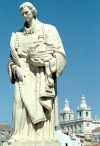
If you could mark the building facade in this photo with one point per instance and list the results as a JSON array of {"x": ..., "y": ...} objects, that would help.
[
  {"x": 66, "y": 140},
  {"x": 5, "y": 133},
  {"x": 83, "y": 124}
]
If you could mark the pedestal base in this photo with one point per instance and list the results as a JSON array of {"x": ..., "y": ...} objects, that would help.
[{"x": 34, "y": 143}]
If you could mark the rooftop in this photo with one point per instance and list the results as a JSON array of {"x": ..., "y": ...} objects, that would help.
[
  {"x": 96, "y": 129},
  {"x": 3, "y": 125}
]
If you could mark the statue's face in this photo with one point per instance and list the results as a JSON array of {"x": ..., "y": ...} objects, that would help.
[{"x": 27, "y": 14}]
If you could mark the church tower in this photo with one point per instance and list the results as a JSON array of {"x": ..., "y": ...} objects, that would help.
[
  {"x": 65, "y": 116},
  {"x": 83, "y": 112},
  {"x": 82, "y": 124},
  {"x": 84, "y": 120}
]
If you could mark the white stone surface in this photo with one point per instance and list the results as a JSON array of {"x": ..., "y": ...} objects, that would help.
[
  {"x": 65, "y": 139},
  {"x": 95, "y": 123},
  {"x": 37, "y": 58},
  {"x": 35, "y": 143}
]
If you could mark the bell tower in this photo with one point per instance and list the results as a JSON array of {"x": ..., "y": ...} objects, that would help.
[
  {"x": 65, "y": 116},
  {"x": 83, "y": 111},
  {"x": 84, "y": 120}
]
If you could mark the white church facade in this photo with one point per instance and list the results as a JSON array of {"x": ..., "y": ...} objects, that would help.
[{"x": 83, "y": 124}]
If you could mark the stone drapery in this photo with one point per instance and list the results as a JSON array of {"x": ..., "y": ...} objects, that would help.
[{"x": 35, "y": 110}]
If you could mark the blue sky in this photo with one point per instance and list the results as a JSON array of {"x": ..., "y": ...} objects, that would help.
[{"x": 78, "y": 23}]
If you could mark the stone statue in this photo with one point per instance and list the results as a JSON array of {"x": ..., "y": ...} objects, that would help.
[{"x": 37, "y": 58}]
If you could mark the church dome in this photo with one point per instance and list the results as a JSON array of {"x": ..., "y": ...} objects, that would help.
[
  {"x": 83, "y": 103},
  {"x": 66, "y": 108}
]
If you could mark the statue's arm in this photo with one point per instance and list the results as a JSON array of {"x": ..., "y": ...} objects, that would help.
[
  {"x": 59, "y": 54},
  {"x": 11, "y": 71},
  {"x": 58, "y": 62},
  {"x": 14, "y": 69}
]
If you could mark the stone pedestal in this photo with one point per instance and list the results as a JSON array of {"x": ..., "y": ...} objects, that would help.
[{"x": 34, "y": 143}]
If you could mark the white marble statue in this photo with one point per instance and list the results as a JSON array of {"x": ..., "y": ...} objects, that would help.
[{"x": 37, "y": 58}]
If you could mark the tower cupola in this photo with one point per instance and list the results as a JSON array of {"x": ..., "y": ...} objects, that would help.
[
  {"x": 66, "y": 108},
  {"x": 83, "y": 103}
]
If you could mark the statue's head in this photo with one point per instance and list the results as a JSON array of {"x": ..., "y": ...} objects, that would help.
[{"x": 28, "y": 11}]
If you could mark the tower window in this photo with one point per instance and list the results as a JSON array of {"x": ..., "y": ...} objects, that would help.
[
  {"x": 75, "y": 127},
  {"x": 86, "y": 114},
  {"x": 80, "y": 114},
  {"x": 63, "y": 117},
  {"x": 69, "y": 117},
  {"x": 80, "y": 127}
]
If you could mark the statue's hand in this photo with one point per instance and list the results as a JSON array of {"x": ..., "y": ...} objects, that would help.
[
  {"x": 37, "y": 62},
  {"x": 18, "y": 72}
]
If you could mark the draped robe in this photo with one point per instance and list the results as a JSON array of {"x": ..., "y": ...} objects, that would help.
[{"x": 37, "y": 116}]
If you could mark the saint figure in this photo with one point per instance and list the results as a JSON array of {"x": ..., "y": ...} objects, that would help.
[{"x": 37, "y": 57}]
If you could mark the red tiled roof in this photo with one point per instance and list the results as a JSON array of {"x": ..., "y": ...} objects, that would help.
[
  {"x": 96, "y": 129},
  {"x": 96, "y": 145},
  {"x": 3, "y": 125}
]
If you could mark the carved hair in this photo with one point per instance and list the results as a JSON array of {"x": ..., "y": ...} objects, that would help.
[{"x": 30, "y": 6}]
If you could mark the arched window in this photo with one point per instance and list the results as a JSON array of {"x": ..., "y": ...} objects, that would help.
[
  {"x": 69, "y": 117},
  {"x": 80, "y": 114},
  {"x": 75, "y": 127},
  {"x": 63, "y": 117},
  {"x": 79, "y": 127},
  {"x": 86, "y": 114}
]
